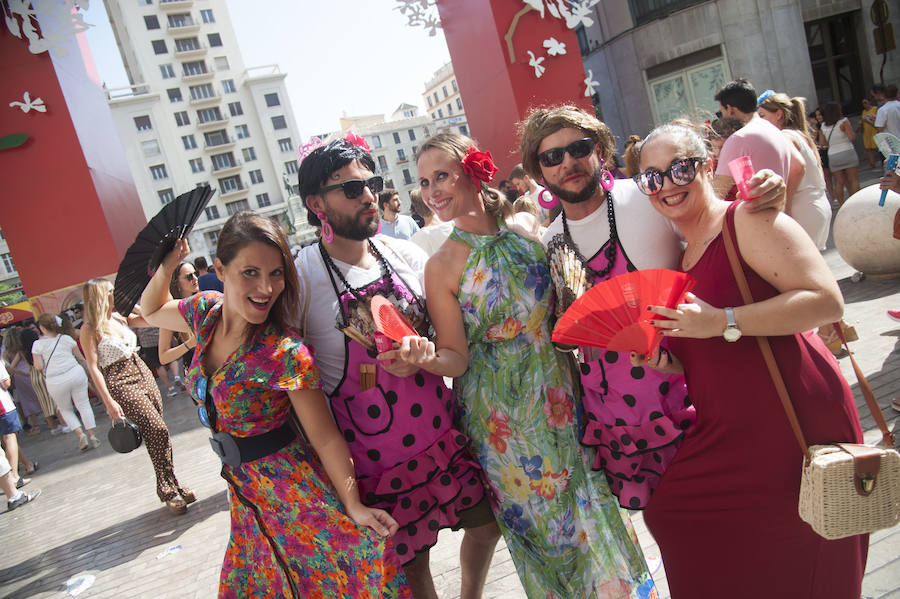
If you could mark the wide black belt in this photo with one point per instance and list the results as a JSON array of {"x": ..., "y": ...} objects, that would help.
[{"x": 235, "y": 451}]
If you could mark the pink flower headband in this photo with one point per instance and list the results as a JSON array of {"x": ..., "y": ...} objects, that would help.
[
  {"x": 314, "y": 142},
  {"x": 479, "y": 165}
]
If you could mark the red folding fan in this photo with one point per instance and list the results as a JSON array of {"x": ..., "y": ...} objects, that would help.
[
  {"x": 613, "y": 314},
  {"x": 389, "y": 320}
]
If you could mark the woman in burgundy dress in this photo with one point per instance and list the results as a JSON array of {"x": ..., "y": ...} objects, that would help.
[{"x": 725, "y": 512}]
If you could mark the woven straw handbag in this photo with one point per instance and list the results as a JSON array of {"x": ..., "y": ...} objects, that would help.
[{"x": 846, "y": 489}]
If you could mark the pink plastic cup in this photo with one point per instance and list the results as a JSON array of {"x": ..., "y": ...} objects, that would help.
[
  {"x": 383, "y": 343},
  {"x": 741, "y": 171}
]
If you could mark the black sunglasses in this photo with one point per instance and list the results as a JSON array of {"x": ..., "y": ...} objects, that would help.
[
  {"x": 353, "y": 188},
  {"x": 190, "y": 275},
  {"x": 681, "y": 172},
  {"x": 577, "y": 149}
]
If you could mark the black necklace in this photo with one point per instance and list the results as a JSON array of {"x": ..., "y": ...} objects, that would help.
[
  {"x": 382, "y": 263},
  {"x": 609, "y": 252}
]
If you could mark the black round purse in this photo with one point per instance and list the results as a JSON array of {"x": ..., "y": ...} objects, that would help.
[{"x": 124, "y": 436}]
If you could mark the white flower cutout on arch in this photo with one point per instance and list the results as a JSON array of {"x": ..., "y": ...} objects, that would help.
[
  {"x": 554, "y": 47},
  {"x": 590, "y": 84},
  {"x": 536, "y": 63},
  {"x": 37, "y": 104},
  {"x": 421, "y": 13},
  {"x": 60, "y": 22}
]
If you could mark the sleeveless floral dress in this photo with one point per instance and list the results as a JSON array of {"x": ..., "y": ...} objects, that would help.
[{"x": 567, "y": 536}]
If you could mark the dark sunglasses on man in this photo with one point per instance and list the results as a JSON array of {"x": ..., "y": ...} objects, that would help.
[
  {"x": 353, "y": 188},
  {"x": 680, "y": 172},
  {"x": 577, "y": 149}
]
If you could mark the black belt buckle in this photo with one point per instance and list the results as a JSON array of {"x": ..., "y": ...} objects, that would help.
[{"x": 226, "y": 448}]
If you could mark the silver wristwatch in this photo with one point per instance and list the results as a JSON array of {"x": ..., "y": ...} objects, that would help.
[{"x": 732, "y": 332}]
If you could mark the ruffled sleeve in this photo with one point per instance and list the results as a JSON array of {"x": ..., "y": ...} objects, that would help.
[
  {"x": 195, "y": 307},
  {"x": 295, "y": 367}
]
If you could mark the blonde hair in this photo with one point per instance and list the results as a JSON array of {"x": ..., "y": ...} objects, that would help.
[
  {"x": 524, "y": 204},
  {"x": 794, "y": 114},
  {"x": 541, "y": 122},
  {"x": 455, "y": 145},
  {"x": 96, "y": 305}
]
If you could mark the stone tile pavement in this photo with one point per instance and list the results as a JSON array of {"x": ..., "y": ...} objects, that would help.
[{"x": 99, "y": 515}]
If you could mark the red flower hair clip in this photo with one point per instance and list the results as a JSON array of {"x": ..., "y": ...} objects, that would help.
[{"x": 479, "y": 165}]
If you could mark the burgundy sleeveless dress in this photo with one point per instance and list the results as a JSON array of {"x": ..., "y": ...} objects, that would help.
[{"x": 725, "y": 512}]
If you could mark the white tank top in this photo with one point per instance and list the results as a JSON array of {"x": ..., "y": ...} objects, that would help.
[{"x": 113, "y": 348}]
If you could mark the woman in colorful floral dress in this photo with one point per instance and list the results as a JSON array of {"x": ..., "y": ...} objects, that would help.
[
  {"x": 488, "y": 288},
  {"x": 293, "y": 534}
]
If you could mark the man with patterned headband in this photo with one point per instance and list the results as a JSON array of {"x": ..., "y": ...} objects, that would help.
[
  {"x": 397, "y": 419},
  {"x": 634, "y": 416}
]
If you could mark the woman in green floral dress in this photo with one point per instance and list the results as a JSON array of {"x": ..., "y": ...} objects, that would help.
[{"x": 488, "y": 289}]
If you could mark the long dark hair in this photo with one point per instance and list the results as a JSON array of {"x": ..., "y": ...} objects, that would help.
[
  {"x": 245, "y": 228},
  {"x": 174, "y": 289}
]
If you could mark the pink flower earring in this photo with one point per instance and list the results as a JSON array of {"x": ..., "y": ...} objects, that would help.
[
  {"x": 542, "y": 199},
  {"x": 327, "y": 231},
  {"x": 606, "y": 179}
]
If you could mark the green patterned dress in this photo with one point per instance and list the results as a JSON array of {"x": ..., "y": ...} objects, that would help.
[{"x": 565, "y": 531}]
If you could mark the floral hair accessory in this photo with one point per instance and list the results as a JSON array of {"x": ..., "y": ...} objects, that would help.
[
  {"x": 307, "y": 148},
  {"x": 357, "y": 140},
  {"x": 479, "y": 165}
]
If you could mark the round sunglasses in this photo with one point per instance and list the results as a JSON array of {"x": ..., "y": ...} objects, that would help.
[
  {"x": 577, "y": 149},
  {"x": 353, "y": 188},
  {"x": 680, "y": 172}
]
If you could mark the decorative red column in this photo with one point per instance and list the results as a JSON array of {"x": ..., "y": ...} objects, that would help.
[
  {"x": 69, "y": 207},
  {"x": 489, "y": 43}
]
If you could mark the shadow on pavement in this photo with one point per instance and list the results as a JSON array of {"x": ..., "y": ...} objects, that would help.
[
  {"x": 868, "y": 289},
  {"x": 106, "y": 548}
]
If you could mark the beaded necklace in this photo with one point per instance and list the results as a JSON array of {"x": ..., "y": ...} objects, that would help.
[{"x": 609, "y": 252}]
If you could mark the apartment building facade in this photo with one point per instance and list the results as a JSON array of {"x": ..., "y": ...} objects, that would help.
[
  {"x": 195, "y": 114},
  {"x": 444, "y": 102}
]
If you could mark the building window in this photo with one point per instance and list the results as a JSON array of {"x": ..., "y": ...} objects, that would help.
[
  {"x": 229, "y": 184},
  {"x": 151, "y": 22},
  {"x": 181, "y": 20},
  {"x": 182, "y": 118},
  {"x": 241, "y": 131},
  {"x": 142, "y": 123},
  {"x": 174, "y": 94},
  {"x": 644, "y": 11},
  {"x": 685, "y": 89},
  {"x": 150, "y": 147},
  {"x": 262, "y": 200},
  {"x": 415, "y": 148},
  {"x": 290, "y": 167},
  {"x": 189, "y": 142},
  {"x": 272, "y": 99},
  {"x": 238, "y": 206},
  {"x": 221, "y": 63},
  {"x": 207, "y": 15},
  {"x": 249, "y": 154},
  {"x": 459, "y": 103},
  {"x": 195, "y": 67},
  {"x": 196, "y": 165},
  {"x": 278, "y": 122},
  {"x": 440, "y": 113},
  {"x": 201, "y": 92},
  {"x": 212, "y": 212},
  {"x": 429, "y": 101},
  {"x": 212, "y": 239},
  {"x": 433, "y": 116},
  {"x": 159, "y": 46},
  {"x": 167, "y": 71},
  {"x": 396, "y": 137},
  {"x": 223, "y": 161},
  {"x": 285, "y": 145},
  {"x": 166, "y": 195},
  {"x": 228, "y": 86},
  {"x": 436, "y": 101},
  {"x": 209, "y": 115},
  {"x": 449, "y": 109},
  {"x": 407, "y": 178},
  {"x": 453, "y": 83},
  {"x": 412, "y": 134},
  {"x": 8, "y": 263},
  {"x": 216, "y": 138},
  {"x": 256, "y": 176},
  {"x": 444, "y": 88},
  {"x": 215, "y": 40},
  {"x": 401, "y": 155},
  {"x": 158, "y": 172},
  {"x": 235, "y": 109},
  {"x": 382, "y": 163},
  {"x": 187, "y": 44},
  {"x": 464, "y": 130},
  {"x": 376, "y": 141}
]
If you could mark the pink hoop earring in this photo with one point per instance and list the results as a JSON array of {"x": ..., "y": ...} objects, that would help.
[
  {"x": 327, "y": 231},
  {"x": 606, "y": 179},
  {"x": 547, "y": 204}
]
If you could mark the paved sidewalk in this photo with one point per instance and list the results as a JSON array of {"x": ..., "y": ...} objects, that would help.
[{"x": 99, "y": 515}]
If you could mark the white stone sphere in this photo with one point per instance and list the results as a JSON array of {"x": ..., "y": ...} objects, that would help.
[{"x": 864, "y": 232}]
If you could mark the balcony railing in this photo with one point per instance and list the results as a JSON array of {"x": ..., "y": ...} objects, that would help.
[
  {"x": 168, "y": 5},
  {"x": 186, "y": 26},
  {"x": 232, "y": 192},
  {"x": 206, "y": 100},
  {"x": 219, "y": 145},
  {"x": 227, "y": 168},
  {"x": 192, "y": 52}
]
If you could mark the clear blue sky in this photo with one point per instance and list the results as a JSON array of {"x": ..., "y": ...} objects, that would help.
[{"x": 357, "y": 56}]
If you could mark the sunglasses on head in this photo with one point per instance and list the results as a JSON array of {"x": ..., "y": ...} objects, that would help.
[
  {"x": 681, "y": 172},
  {"x": 577, "y": 149},
  {"x": 353, "y": 188}
]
